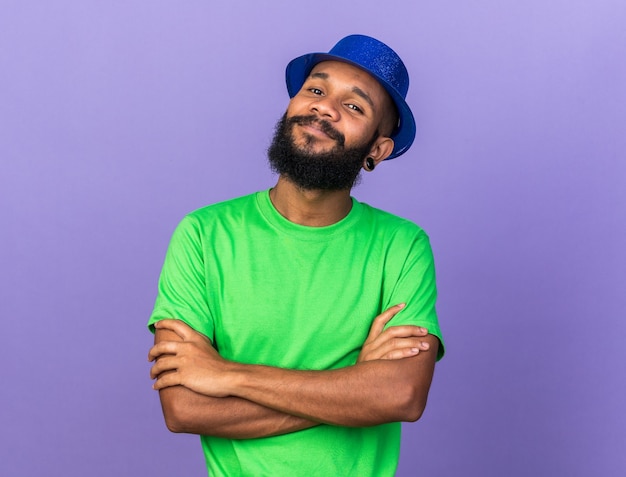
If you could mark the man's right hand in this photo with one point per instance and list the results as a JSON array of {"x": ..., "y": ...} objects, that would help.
[{"x": 396, "y": 342}]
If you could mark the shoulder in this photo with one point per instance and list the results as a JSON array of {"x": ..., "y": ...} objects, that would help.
[
  {"x": 227, "y": 213},
  {"x": 392, "y": 227},
  {"x": 236, "y": 206},
  {"x": 212, "y": 219}
]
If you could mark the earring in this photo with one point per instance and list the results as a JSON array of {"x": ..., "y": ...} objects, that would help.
[{"x": 369, "y": 164}]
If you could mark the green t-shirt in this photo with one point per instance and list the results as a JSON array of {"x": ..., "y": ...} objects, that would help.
[{"x": 268, "y": 291}]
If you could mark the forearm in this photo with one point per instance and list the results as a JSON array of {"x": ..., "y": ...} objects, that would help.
[
  {"x": 231, "y": 417},
  {"x": 365, "y": 394},
  {"x": 187, "y": 411},
  {"x": 369, "y": 393}
]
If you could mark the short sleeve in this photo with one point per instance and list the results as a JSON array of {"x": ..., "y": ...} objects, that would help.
[
  {"x": 182, "y": 290},
  {"x": 416, "y": 286}
]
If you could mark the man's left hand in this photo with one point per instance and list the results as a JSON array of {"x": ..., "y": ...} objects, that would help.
[{"x": 396, "y": 342}]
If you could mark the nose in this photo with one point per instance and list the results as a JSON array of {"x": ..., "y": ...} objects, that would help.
[{"x": 326, "y": 108}]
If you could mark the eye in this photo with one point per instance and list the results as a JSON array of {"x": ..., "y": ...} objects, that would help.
[
  {"x": 354, "y": 107},
  {"x": 316, "y": 91}
]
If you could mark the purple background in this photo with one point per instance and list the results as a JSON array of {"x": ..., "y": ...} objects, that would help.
[{"x": 117, "y": 118}]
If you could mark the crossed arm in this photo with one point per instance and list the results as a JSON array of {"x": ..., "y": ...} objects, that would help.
[{"x": 205, "y": 394}]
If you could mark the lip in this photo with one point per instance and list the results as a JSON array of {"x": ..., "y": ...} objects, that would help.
[{"x": 315, "y": 130}]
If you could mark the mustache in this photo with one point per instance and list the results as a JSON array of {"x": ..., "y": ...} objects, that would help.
[{"x": 324, "y": 126}]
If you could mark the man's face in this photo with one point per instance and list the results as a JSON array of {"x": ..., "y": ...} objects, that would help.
[
  {"x": 329, "y": 128},
  {"x": 347, "y": 98}
]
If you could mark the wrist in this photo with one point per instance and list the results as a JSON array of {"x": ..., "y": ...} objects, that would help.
[{"x": 235, "y": 378}]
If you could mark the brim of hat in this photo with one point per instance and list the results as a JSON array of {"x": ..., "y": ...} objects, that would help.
[{"x": 299, "y": 68}]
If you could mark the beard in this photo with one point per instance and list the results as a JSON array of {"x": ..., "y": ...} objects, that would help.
[{"x": 337, "y": 169}]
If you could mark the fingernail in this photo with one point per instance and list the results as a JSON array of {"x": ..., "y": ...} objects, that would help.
[
  {"x": 425, "y": 345},
  {"x": 401, "y": 305},
  {"x": 415, "y": 350},
  {"x": 423, "y": 330}
]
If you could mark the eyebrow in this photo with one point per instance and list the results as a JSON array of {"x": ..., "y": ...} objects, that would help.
[
  {"x": 355, "y": 89},
  {"x": 319, "y": 74},
  {"x": 359, "y": 92}
]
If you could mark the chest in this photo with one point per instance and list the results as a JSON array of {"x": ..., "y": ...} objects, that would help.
[{"x": 286, "y": 303}]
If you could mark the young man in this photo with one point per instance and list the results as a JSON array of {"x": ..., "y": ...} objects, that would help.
[{"x": 296, "y": 327}]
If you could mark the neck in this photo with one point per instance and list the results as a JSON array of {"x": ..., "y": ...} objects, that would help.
[{"x": 314, "y": 208}]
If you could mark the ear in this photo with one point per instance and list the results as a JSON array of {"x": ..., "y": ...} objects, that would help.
[{"x": 381, "y": 149}]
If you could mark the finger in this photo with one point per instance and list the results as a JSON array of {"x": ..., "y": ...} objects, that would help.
[
  {"x": 398, "y": 348},
  {"x": 182, "y": 330},
  {"x": 179, "y": 327},
  {"x": 166, "y": 380},
  {"x": 405, "y": 331},
  {"x": 381, "y": 320},
  {"x": 167, "y": 363},
  {"x": 394, "y": 332},
  {"x": 402, "y": 353},
  {"x": 163, "y": 347}
]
